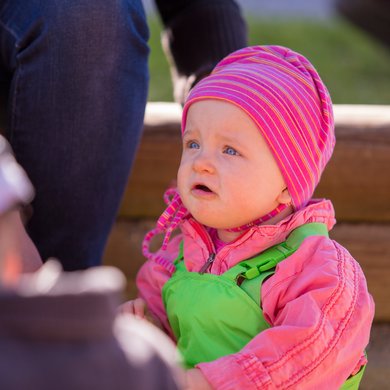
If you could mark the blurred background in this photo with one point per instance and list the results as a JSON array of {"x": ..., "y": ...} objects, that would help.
[{"x": 353, "y": 64}]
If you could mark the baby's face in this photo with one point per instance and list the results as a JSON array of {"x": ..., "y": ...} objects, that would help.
[{"x": 227, "y": 175}]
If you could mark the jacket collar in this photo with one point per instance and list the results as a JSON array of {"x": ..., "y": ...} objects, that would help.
[{"x": 198, "y": 245}]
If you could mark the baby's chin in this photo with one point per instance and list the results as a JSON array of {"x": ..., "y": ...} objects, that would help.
[
  {"x": 213, "y": 218},
  {"x": 218, "y": 223}
]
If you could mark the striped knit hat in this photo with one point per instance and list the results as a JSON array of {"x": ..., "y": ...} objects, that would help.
[
  {"x": 283, "y": 94},
  {"x": 285, "y": 97}
]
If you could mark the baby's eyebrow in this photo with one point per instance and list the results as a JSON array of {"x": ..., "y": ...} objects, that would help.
[
  {"x": 189, "y": 132},
  {"x": 231, "y": 139}
]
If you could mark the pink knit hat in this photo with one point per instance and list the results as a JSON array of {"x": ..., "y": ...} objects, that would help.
[{"x": 283, "y": 94}]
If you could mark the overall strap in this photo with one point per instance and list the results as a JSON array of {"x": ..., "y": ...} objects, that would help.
[
  {"x": 263, "y": 265},
  {"x": 180, "y": 255}
]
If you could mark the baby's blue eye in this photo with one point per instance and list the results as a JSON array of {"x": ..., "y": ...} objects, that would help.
[
  {"x": 232, "y": 152},
  {"x": 192, "y": 145}
]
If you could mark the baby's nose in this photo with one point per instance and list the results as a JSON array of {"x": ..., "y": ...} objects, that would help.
[{"x": 204, "y": 163}]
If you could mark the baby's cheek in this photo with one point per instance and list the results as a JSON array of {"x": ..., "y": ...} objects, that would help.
[
  {"x": 180, "y": 178},
  {"x": 180, "y": 186}
]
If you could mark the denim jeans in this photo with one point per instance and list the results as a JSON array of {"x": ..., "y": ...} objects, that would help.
[{"x": 75, "y": 77}]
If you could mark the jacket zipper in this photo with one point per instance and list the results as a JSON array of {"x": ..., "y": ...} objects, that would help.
[
  {"x": 207, "y": 264},
  {"x": 209, "y": 244}
]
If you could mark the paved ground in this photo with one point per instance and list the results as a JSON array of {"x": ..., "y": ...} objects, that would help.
[{"x": 315, "y": 9}]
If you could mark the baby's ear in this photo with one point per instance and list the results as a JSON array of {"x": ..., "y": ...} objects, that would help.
[{"x": 284, "y": 197}]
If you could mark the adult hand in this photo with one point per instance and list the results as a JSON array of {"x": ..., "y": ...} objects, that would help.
[{"x": 136, "y": 307}]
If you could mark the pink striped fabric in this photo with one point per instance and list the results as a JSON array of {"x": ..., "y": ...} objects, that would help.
[
  {"x": 167, "y": 223},
  {"x": 285, "y": 97},
  {"x": 283, "y": 94}
]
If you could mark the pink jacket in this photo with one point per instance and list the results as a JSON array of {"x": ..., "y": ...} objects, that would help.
[{"x": 316, "y": 302}]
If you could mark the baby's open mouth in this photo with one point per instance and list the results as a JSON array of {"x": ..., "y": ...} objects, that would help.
[{"x": 202, "y": 188}]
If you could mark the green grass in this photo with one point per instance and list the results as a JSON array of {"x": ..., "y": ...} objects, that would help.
[{"x": 355, "y": 68}]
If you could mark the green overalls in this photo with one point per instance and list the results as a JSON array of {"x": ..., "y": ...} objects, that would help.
[{"x": 217, "y": 315}]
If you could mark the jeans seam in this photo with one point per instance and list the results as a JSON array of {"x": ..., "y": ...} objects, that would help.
[
  {"x": 12, "y": 123},
  {"x": 9, "y": 30},
  {"x": 13, "y": 116}
]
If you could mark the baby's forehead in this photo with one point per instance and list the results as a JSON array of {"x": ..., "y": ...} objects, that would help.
[{"x": 233, "y": 134}]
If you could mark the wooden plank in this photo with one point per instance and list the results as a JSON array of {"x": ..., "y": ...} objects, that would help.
[
  {"x": 368, "y": 243},
  {"x": 155, "y": 167},
  {"x": 123, "y": 249},
  {"x": 357, "y": 178}
]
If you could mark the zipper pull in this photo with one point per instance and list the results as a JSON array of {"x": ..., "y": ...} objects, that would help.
[{"x": 207, "y": 264}]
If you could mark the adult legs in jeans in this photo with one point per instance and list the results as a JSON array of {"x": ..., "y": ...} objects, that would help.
[{"x": 76, "y": 77}]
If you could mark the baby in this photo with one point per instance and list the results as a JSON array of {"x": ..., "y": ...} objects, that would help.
[{"x": 253, "y": 291}]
